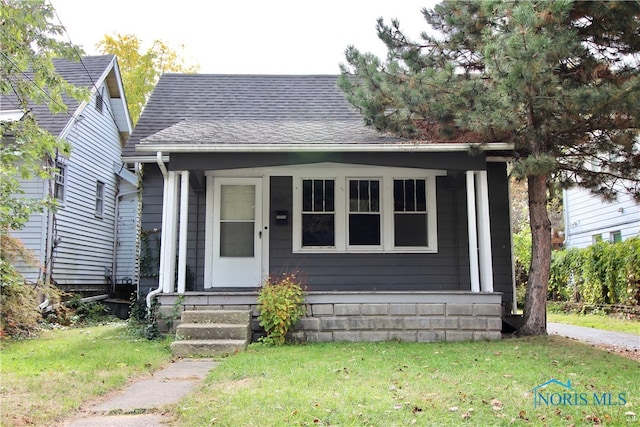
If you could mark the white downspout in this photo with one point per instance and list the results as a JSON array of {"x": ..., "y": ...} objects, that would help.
[{"x": 165, "y": 175}]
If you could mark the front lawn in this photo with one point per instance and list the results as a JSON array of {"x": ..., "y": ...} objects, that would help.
[
  {"x": 392, "y": 383},
  {"x": 43, "y": 380}
]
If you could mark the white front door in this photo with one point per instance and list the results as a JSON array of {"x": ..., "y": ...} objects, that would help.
[{"x": 237, "y": 232}]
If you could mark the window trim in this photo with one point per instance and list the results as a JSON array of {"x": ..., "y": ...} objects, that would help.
[{"x": 386, "y": 175}]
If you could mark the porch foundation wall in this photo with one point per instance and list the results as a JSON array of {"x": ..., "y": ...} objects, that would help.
[{"x": 430, "y": 317}]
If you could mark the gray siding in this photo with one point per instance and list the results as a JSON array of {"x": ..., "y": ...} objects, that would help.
[
  {"x": 446, "y": 270},
  {"x": 86, "y": 245},
  {"x": 587, "y": 215},
  {"x": 33, "y": 234},
  {"x": 127, "y": 238}
]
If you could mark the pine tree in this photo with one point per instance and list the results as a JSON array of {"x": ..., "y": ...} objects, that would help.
[{"x": 559, "y": 79}]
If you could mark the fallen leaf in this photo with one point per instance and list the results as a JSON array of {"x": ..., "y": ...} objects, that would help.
[
  {"x": 453, "y": 409},
  {"x": 416, "y": 409},
  {"x": 397, "y": 407},
  {"x": 466, "y": 415}
]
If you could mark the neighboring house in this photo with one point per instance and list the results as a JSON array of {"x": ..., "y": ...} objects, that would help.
[
  {"x": 249, "y": 176},
  {"x": 90, "y": 241},
  {"x": 589, "y": 219}
]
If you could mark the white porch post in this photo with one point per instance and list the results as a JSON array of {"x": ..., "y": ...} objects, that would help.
[
  {"x": 484, "y": 234},
  {"x": 208, "y": 238},
  {"x": 168, "y": 244},
  {"x": 473, "y": 232},
  {"x": 184, "y": 221}
]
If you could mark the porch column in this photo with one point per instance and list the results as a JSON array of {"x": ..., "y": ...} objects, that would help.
[
  {"x": 473, "y": 232},
  {"x": 184, "y": 221},
  {"x": 480, "y": 258},
  {"x": 484, "y": 234},
  {"x": 168, "y": 236}
]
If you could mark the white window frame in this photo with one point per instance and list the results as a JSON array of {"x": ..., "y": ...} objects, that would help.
[
  {"x": 342, "y": 174},
  {"x": 100, "y": 198}
]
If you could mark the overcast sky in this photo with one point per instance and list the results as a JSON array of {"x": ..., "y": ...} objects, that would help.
[{"x": 248, "y": 37}]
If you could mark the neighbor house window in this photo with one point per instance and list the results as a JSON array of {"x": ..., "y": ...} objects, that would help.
[
  {"x": 410, "y": 225},
  {"x": 596, "y": 238},
  {"x": 99, "y": 199},
  {"x": 318, "y": 212},
  {"x": 364, "y": 212},
  {"x": 60, "y": 180},
  {"x": 615, "y": 237}
]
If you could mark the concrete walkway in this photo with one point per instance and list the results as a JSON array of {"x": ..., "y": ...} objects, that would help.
[
  {"x": 165, "y": 387},
  {"x": 620, "y": 340}
]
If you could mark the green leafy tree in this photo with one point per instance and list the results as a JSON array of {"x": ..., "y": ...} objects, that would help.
[
  {"x": 559, "y": 79},
  {"x": 141, "y": 69},
  {"x": 29, "y": 40}
]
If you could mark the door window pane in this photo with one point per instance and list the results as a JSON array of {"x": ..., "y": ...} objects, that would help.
[
  {"x": 236, "y": 239},
  {"x": 237, "y": 202}
]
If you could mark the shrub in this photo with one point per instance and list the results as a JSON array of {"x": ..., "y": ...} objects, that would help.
[
  {"x": 281, "y": 304},
  {"x": 603, "y": 273}
]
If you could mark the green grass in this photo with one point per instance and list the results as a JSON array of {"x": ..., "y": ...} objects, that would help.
[
  {"x": 596, "y": 321},
  {"x": 392, "y": 384},
  {"x": 44, "y": 379}
]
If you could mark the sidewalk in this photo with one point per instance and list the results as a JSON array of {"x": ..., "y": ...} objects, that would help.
[
  {"x": 618, "y": 340},
  {"x": 166, "y": 387}
]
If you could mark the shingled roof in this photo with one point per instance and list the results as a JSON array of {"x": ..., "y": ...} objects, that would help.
[
  {"x": 85, "y": 74},
  {"x": 206, "y": 109},
  {"x": 214, "y": 113}
]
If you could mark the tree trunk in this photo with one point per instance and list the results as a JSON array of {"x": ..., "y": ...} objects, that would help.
[{"x": 535, "y": 304}]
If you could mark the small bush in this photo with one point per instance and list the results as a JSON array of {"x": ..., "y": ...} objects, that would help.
[{"x": 281, "y": 304}]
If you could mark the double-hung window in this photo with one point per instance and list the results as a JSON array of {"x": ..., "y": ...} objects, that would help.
[
  {"x": 60, "y": 180},
  {"x": 99, "y": 199},
  {"x": 365, "y": 209},
  {"x": 364, "y": 212},
  {"x": 318, "y": 213},
  {"x": 410, "y": 221}
]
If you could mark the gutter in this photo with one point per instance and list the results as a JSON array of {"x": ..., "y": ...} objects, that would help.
[
  {"x": 165, "y": 175},
  {"x": 319, "y": 147}
]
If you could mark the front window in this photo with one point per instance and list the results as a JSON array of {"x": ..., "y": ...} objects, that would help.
[
  {"x": 349, "y": 209},
  {"x": 318, "y": 212},
  {"x": 410, "y": 212},
  {"x": 364, "y": 212}
]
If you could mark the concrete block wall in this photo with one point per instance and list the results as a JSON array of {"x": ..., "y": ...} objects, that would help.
[
  {"x": 432, "y": 318},
  {"x": 421, "y": 322}
]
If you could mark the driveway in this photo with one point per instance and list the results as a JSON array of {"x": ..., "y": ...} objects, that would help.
[{"x": 618, "y": 342}]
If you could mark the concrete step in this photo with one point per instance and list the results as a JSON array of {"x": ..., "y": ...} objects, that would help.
[
  {"x": 207, "y": 348},
  {"x": 213, "y": 331},
  {"x": 216, "y": 316}
]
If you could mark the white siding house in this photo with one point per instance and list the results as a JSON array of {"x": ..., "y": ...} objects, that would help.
[
  {"x": 589, "y": 219},
  {"x": 78, "y": 244}
]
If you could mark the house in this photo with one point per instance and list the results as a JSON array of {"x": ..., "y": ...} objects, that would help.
[
  {"x": 89, "y": 243},
  {"x": 250, "y": 176},
  {"x": 589, "y": 219}
]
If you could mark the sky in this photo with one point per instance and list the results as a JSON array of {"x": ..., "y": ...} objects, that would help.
[{"x": 245, "y": 36}]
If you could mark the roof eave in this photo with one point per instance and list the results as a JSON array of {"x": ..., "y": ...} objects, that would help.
[{"x": 322, "y": 147}]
